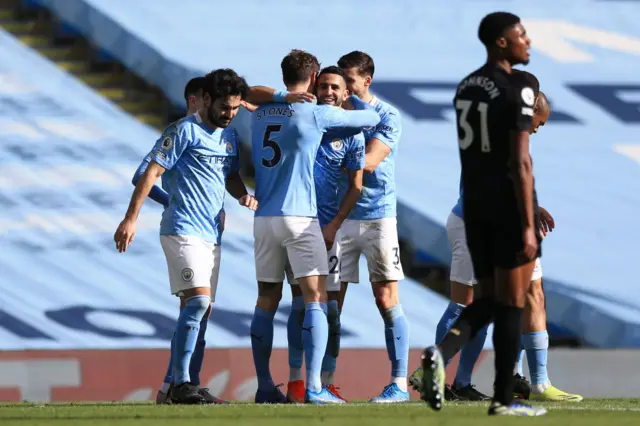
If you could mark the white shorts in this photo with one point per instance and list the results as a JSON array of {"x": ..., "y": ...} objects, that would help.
[
  {"x": 333, "y": 277},
  {"x": 377, "y": 239},
  {"x": 282, "y": 239},
  {"x": 461, "y": 265},
  {"x": 192, "y": 262}
]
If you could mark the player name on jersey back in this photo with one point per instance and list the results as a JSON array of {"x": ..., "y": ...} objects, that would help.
[
  {"x": 490, "y": 104},
  {"x": 285, "y": 140}
]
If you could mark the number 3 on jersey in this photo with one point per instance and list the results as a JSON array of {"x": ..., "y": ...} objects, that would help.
[
  {"x": 483, "y": 109},
  {"x": 267, "y": 142}
]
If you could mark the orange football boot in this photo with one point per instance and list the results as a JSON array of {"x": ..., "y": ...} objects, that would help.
[{"x": 334, "y": 391}]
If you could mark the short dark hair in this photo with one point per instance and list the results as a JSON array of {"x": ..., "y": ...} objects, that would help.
[
  {"x": 225, "y": 82},
  {"x": 333, "y": 70},
  {"x": 298, "y": 66},
  {"x": 359, "y": 60},
  {"x": 493, "y": 25},
  {"x": 531, "y": 80},
  {"x": 192, "y": 88}
]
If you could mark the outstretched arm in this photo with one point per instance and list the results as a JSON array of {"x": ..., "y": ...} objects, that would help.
[{"x": 333, "y": 118}]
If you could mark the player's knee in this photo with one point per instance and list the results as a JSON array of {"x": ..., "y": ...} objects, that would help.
[
  {"x": 333, "y": 295},
  {"x": 315, "y": 295},
  {"x": 200, "y": 303},
  {"x": 296, "y": 291},
  {"x": 269, "y": 295},
  {"x": 386, "y": 295},
  {"x": 535, "y": 296},
  {"x": 461, "y": 294},
  {"x": 268, "y": 303}
]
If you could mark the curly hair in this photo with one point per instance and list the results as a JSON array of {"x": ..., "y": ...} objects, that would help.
[{"x": 225, "y": 82}]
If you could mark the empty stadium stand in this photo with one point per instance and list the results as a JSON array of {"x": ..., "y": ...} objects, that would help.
[
  {"x": 587, "y": 158},
  {"x": 68, "y": 155}
]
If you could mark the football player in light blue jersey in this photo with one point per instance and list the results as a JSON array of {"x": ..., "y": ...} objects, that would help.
[
  {"x": 285, "y": 141},
  {"x": 374, "y": 219},
  {"x": 194, "y": 102},
  {"x": 197, "y": 158},
  {"x": 193, "y": 99},
  {"x": 340, "y": 157}
]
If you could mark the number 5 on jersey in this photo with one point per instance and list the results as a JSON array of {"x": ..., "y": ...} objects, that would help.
[
  {"x": 466, "y": 127},
  {"x": 267, "y": 142}
]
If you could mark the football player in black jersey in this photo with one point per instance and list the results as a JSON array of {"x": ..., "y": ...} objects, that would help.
[{"x": 494, "y": 109}]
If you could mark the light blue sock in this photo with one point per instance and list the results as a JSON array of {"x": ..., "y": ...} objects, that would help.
[
  {"x": 449, "y": 318},
  {"x": 168, "y": 377},
  {"x": 198, "y": 354},
  {"x": 261, "y": 345},
  {"x": 186, "y": 336},
  {"x": 315, "y": 333},
  {"x": 333, "y": 344},
  {"x": 396, "y": 332},
  {"x": 468, "y": 358},
  {"x": 537, "y": 346},
  {"x": 518, "y": 367},
  {"x": 294, "y": 332}
]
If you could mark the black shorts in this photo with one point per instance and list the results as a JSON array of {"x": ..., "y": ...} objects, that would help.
[{"x": 496, "y": 242}]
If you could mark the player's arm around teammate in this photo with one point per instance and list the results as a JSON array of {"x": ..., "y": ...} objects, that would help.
[{"x": 259, "y": 95}]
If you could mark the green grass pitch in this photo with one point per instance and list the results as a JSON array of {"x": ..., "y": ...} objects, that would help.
[{"x": 608, "y": 412}]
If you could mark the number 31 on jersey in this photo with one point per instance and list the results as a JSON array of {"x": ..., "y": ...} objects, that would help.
[{"x": 464, "y": 107}]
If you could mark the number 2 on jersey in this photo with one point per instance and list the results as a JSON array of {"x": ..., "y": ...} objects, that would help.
[
  {"x": 267, "y": 142},
  {"x": 483, "y": 108}
]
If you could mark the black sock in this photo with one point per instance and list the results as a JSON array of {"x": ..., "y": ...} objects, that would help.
[
  {"x": 506, "y": 342},
  {"x": 472, "y": 319}
]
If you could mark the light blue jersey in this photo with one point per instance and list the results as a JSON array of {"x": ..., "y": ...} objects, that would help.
[
  {"x": 285, "y": 140},
  {"x": 378, "y": 198},
  {"x": 198, "y": 160},
  {"x": 336, "y": 153}
]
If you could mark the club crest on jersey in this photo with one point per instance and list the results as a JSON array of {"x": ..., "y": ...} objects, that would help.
[
  {"x": 167, "y": 143},
  {"x": 187, "y": 274},
  {"x": 527, "y": 96},
  {"x": 337, "y": 144},
  {"x": 229, "y": 148}
]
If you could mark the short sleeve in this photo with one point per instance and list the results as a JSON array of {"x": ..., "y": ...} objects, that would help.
[
  {"x": 520, "y": 107},
  {"x": 170, "y": 147},
  {"x": 389, "y": 129},
  {"x": 354, "y": 158},
  {"x": 142, "y": 167}
]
